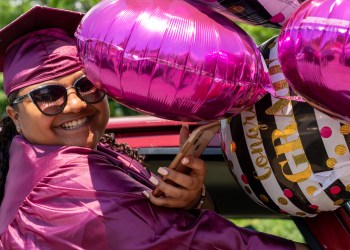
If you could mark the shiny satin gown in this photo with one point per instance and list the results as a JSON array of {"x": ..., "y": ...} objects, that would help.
[{"x": 63, "y": 197}]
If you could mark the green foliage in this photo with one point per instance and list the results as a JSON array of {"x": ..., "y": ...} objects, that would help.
[
  {"x": 118, "y": 109},
  {"x": 9, "y": 10},
  {"x": 259, "y": 34},
  {"x": 284, "y": 228}
]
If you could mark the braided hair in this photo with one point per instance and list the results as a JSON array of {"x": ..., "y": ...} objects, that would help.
[
  {"x": 8, "y": 131},
  {"x": 109, "y": 141}
]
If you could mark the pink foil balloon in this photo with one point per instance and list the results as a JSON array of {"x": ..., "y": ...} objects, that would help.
[
  {"x": 171, "y": 59},
  {"x": 314, "y": 52},
  {"x": 268, "y": 13}
]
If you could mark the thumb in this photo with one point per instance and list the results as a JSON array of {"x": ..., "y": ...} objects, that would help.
[{"x": 184, "y": 134}]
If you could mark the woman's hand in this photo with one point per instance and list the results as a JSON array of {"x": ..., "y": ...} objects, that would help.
[{"x": 186, "y": 190}]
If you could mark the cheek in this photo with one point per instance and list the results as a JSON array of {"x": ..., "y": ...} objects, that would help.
[
  {"x": 35, "y": 128},
  {"x": 104, "y": 114},
  {"x": 106, "y": 108},
  {"x": 30, "y": 117}
]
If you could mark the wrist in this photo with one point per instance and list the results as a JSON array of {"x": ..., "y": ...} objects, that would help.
[{"x": 202, "y": 198}]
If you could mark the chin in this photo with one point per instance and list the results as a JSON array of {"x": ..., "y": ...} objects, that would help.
[{"x": 89, "y": 142}]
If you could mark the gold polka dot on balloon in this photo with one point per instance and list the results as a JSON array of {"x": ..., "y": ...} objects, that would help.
[
  {"x": 339, "y": 202},
  {"x": 331, "y": 162},
  {"x": 233, "y": 146},
  {"x": 311, "y": 189},
  {"x": 282, "y": 201},
  {"x": 347, "y": 188},
  {"x": 345, "y": 129},
  {"x": 300, "y": 213},
  {"x": 264, "y": 198},
  {"x": 236, "y": 9},
  {"x": 340, "y": 149},
  {"x": 275, "y": 69}
]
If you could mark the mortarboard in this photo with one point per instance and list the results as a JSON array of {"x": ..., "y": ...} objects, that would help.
[{"x": 38, "y": 46}]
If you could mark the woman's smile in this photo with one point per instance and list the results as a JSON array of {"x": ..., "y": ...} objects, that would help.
[{"x": 75, "y": 123}]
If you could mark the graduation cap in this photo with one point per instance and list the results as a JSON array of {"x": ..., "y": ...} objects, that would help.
[{"x": 38, "y": 46}]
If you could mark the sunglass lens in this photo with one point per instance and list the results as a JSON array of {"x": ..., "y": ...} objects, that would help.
[
  {"x": 50, "y": 99},
  {"x": 88, "y": 92}
]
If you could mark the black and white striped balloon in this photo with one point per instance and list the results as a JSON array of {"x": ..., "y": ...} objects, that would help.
[{"x": 286, "y": 155}]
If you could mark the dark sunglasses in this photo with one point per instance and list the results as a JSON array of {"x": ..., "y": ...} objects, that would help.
[{"x": 52, "y": 99}]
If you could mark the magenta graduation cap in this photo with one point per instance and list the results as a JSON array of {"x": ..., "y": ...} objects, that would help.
[{"x": 38, "y": 46}]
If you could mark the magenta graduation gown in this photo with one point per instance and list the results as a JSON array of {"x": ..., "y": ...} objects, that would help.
[{"x": 63, "y": 197}]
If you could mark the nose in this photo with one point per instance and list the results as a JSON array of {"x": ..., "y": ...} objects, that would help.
[{"x": 74, "y": 103}]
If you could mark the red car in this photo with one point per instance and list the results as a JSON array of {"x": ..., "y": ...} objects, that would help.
[{"x": 158, "y": 140}]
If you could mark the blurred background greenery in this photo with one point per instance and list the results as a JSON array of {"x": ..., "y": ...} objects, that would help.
[
  {"x": 11, "y": 9},
  {"x": 284, "y": 228}
]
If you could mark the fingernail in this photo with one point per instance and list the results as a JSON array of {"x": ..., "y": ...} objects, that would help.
[
  {"x": 185, "y": 160},
  {"x": 145, "y": 193},
  {"x": 162, "y": 171},
  {"x": 185, "y": 125},
  {"x": 154, "y": 180}
]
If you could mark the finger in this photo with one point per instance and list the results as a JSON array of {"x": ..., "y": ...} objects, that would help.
[
  {"x": 165, "y": 201},
  {"x": 184, "y": 134},
  {"x": 161, "y": 187},
  {"x": 168, "y": 189},
  {"x": 180, "y": 179},
  {"x": 192, "y": 181},
  {"x": 197, "y": 165}
]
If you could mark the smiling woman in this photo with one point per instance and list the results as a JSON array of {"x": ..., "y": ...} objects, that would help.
[
  {"x": 43, "y": 103},
  {"x": 51, "y": 101},
  {"x": 66, "y": 185}
]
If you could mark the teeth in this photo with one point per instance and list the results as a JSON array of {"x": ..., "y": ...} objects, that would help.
[{"x": 74, "y": 124}]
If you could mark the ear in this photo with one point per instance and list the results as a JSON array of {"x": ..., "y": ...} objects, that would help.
[{"x": 13, "y": 114}]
